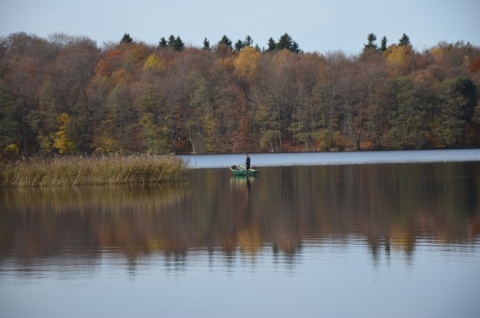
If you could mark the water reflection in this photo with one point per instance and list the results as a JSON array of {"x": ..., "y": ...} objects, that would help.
[{"x": 389, "y": 208}]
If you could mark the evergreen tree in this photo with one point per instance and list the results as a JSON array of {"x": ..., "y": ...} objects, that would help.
[
  {"x": 271, "y": 45},
  {"x": 383, "y": 45},
  {"x": 405, "y": 40},
  {"x": 171, "y": 41},
  {"x": 248, "y": 41},
  {"x": 295, "y": 48},
  {"x": 206, "y": 44},
  {"x": 126, "y": 39},
  {"x": 239, "y": 45},
  {"x": 371, "y": 38},
  {"x": 178, "y": 44},
  {"x": 163, "y": 43},
  {"x": 225, "y": 41},
  {"x": 286, "y": 42}
]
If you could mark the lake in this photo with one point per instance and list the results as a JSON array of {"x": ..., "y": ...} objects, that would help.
[{"x": 370, "y": 234}]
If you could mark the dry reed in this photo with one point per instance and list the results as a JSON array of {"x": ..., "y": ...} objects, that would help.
[{"x": 72, "y": 171}]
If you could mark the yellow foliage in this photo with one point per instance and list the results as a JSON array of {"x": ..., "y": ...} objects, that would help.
[
  {"x": 397, "y": 54},
  {"x": 437, "y": 54},
  {"x": 107, "y": 145},
  {"x": 63, "y": 119},
  {"x": 246, "y": 64},
  {"x": 11, "y": 149},
  {"x": 250, "y": 240},
  {"x": 154, "y": 62},
  {"x": 61, "y": 140},
  {"x": 402, "y": 239}
]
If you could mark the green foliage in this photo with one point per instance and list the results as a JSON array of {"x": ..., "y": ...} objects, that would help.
[
  {"x": 138, "y": 98},
  {"x": 176, "y": 43},
  {"x": 371, "y": 38},
  {"x": 248, "y": 41},
  {"x": 457, "y": 97},
  {"x": 239, "y": 45},
  {"x": 9, "y": 119},
  {"x": 126, "y": 39},
  {"x": 404, "y": 40},
  {"x": 383, "y": 45},
  {"x": 286, "y": 42},
  {"x": 163, "y": 43},
  {"x": 408, "y": 123},
  {"x": 173, "y": 42},
  {"x": 225, "y": 41},
  {"x": 271, "y": 45},
  {"x": 206, "y": 44},
  {"x": 154, "y": 136}
]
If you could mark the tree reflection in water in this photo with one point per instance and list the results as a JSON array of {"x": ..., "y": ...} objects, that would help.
[{"x": 389, "y": 207}]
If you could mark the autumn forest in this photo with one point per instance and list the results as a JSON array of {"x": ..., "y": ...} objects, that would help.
[{"x": 66, "y": 95}]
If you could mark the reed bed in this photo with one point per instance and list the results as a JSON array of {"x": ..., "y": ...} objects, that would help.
[{"x": 79, "y": 170}]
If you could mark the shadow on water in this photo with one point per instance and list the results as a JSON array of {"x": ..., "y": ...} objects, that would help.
[{"x": 385, "y": 207}]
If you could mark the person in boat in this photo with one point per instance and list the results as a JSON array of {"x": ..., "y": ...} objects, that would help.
[{"x": 247, "y": 162}]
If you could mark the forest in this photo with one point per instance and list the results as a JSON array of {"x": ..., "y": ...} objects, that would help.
[{"x": 66, "y": 95}]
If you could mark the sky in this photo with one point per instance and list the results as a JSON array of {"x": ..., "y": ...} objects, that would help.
[{"x": 316, "y": 25}]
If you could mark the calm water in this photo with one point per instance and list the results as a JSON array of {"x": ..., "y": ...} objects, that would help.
[{"x": 317, "y": 240}]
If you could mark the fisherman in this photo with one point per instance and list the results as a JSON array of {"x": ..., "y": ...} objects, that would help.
[{"x": 247, "y": 162}]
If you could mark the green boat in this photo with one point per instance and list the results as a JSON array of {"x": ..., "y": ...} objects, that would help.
[{"x": 241, "y": 170}]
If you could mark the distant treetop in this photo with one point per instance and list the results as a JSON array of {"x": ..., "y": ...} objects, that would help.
[
  {"x": 126, "y": 38},
  {"x": 173, "y": 42},
  {"x": 404, "y": 40},
  {"x": 285, "y": 42}
]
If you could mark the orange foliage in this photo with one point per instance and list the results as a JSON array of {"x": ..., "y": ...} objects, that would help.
[
  {"x": 475, "y": 66},
  {"x": 121, "y": 76},
  {"x": 107, "y": 65}
]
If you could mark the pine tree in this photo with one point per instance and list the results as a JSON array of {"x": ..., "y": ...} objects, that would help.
[
  {"x": 271, "y": 45},
  {"x": 248, "y": 41},
  {"x": 383, "y": 45},
  {"x": 178, "y": 44},
  {"x": 206, "y": 44},
  {"x": 126, "y": 39},
  {"x": 225, "y": 41},
  {"x": 163, "y": 43},
  {"x": 171, "y": 41},
  {"x": 405, "y": 40},
  {"x": 239, "y": 45},
  {"x": 295, "y": 48},
  {"x": 371, "y": 38},
  {"x": 286, "y": 42}
]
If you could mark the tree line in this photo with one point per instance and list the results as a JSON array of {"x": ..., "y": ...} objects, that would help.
[{"x": 66, "y": 95}]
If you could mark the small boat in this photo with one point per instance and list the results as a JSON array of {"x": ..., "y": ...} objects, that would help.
[{"x": 241, "y": 170}]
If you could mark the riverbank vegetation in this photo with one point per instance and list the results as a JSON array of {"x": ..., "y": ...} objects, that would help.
[
  {"x": 96, "y": 170},
  {"x": 65, "y": 95}
]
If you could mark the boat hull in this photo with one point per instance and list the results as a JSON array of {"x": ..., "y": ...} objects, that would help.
[{"x": 240, "y": 170}]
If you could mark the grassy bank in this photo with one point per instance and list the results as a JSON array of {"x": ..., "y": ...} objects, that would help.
[{"x": 72, "y": 171}]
